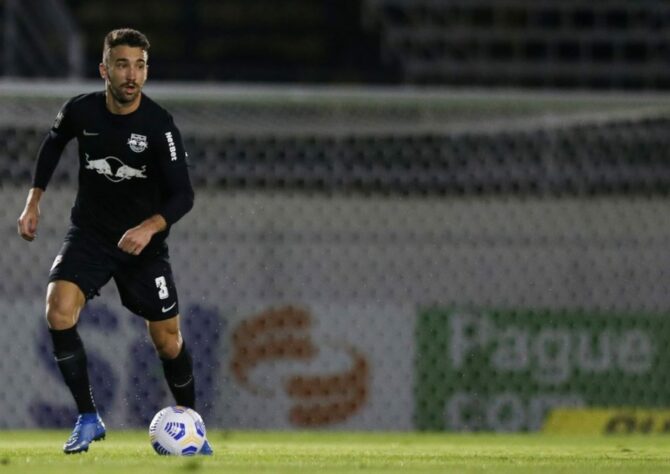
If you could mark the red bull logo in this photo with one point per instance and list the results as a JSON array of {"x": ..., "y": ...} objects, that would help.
[
  {"x": 114, "y": 169},
  {"x": 283, "y": 334},
  {"x": 138, "y": 143}
]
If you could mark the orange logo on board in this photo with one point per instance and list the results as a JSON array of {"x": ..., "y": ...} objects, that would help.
[{"x": 283, "y": 334}]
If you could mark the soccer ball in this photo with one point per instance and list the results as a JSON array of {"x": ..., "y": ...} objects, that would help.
[{"x": 177, "y": 430}]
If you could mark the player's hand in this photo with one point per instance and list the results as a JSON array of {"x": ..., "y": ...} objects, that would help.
[
  {"x": 27, "y": 223},
  {"x": 135, "y": 239}
]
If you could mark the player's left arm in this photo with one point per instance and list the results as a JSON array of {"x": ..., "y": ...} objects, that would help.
[{"x": 177, "y": 183}]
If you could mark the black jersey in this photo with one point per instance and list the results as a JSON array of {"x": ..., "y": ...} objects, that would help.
[{"x": 130, "y": 166}]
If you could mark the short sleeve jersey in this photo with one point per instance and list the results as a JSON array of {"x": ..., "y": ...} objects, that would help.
[{"x": 130, "y": 165}]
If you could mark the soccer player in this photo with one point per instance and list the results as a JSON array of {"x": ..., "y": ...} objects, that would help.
[{"x": 133, "y": 186}]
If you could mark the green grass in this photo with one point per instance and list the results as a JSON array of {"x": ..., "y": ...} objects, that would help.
[{"x": 129, "y": 452}]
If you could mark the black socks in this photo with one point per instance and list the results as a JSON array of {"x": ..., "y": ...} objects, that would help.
[
  {"x": 179, "y": 375},
  {"x": 71, "y": 359}
]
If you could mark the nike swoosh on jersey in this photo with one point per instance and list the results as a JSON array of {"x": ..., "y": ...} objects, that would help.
[
  {"x": 165, "y": 310},
  {"x": 90, "y": 134}
]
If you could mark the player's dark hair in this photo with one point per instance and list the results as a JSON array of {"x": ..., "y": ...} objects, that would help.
[{"x": 126, "y": 37}]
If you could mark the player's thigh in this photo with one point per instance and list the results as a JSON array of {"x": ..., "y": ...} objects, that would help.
[
  {"x": 65, "y": 301},
  {"x": 147, "y": 288},
  {"x": 83, "y": 261}
]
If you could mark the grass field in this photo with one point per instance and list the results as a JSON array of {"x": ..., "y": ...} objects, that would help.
[{"x": 129, "y": 452}]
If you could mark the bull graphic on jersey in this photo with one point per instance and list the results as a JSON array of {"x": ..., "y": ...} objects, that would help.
[{"x": 114, "y": 169}]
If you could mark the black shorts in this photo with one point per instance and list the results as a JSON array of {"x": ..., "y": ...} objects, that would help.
[{"x": 144, "y": 281}]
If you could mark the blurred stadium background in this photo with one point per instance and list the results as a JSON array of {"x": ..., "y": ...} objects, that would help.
[{"x": 411, "y": 214}]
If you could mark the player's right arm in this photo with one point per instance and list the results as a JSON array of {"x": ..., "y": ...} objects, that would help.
[
  {"x": 30, "y": 215},
  {"x": 47, "y": 158}
]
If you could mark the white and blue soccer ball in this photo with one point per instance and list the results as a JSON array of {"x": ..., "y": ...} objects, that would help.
[{"x": 177, "y": 430}]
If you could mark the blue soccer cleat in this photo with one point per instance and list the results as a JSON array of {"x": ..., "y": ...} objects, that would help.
[
  {"x": 206, "y": 449},
  {"x": 89, "y": 428}
]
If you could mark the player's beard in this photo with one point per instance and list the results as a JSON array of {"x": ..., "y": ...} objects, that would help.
[{"x": 122, "y": 96}]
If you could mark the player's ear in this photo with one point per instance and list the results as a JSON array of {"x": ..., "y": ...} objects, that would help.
[{"x": 103, "y": 70}]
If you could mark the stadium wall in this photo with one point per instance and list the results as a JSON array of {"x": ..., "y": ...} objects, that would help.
[{"x": 367, "y": 312}]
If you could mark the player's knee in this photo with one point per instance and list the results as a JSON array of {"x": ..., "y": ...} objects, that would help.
[
  {"x": 64, "y": 303},
  {"x": 61, "y": 313},
  {"x": 168, "y": 346}
]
